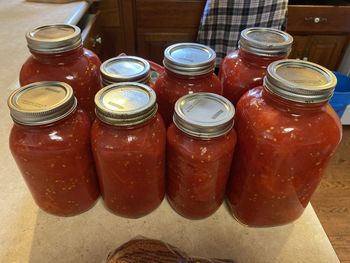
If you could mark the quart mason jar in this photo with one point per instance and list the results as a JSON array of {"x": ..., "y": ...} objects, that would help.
[
  {"x": 245, "y": 68},
  {"x": 189, "y": 68},
  {"x": 128, "y": 142},
  {"x": 200, "y": 146},
  {"x": 50, "y": 142},
  {"x": 58, "y": 55},
  {"x": 287, "y": 133}
]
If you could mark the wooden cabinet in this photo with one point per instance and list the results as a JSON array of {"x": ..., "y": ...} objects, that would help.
[
  {"x": 162, "y": 23},
  {"x": 151, "y": 43},
  {"x": 146, "y": 27},
  {"x": 321, "y": 34},
  {"x": 325, "y": 50}
]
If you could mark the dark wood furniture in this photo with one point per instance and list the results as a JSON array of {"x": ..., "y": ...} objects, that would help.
[
  {"x": 321, "y": 33},
  {"x": 146, "y": 27}
]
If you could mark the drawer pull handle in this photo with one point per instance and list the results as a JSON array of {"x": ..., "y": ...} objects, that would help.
[
  {"x": 96, "y": 41},
  {"x": 316, "y": 20}
]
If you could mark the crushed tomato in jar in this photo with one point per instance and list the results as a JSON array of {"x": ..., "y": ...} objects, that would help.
[
  {"x": 50, "y": 142},
  {"x": 287, "y": 133},
  {"x": 189, "y": 68},
  {"x": 245, "y": 68},
  {"x": 57, "y": 54},
  {"x": 128, "y": 141},
  {"x": 200, "y": 146}
]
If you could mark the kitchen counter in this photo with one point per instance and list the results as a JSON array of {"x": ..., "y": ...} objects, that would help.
[{"x": 29, "y": 235}]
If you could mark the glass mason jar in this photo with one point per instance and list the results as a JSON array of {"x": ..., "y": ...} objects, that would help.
[
  {"x": 58, "y": 55},
  {"x": 245, "y": 68},
  {"x": 128, "y": 142},
  {"x": 189, "y": 68},
  {"x": 50, "y": 142},
  {"x": 287, "y": 133},
  {"x": 200, "y": 146},
  {"x": 125, "y": 69}
]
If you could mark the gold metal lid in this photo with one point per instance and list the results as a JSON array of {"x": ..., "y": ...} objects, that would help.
[
  {"x": 52, "y": 39},
  {"x": 125, "y": 69},
  {"x": 125, "y": 104},
  {"x": 264, "y": 41},
  {"x": 189, "y": 59},
  {"x": 204, "y": 115},
  {"x": 41, "y": 103},
  {"x": 300, "y": 81}
]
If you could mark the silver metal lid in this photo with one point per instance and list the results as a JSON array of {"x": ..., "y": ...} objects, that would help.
[
  {"x": 41, "y": 103},
  {"x": 265, "y": 41},
  {"x": 204, "y": 115},
  {"x": 300, "y": 81},
  {"x": 52, "y": 39},
  {"x": 189, "y": 59},
  {"x": 125, "y": 69},
  {"x": 125, "y": 104}
]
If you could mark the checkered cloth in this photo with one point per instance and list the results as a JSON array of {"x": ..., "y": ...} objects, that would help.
[{"x": 223, "y": 20}]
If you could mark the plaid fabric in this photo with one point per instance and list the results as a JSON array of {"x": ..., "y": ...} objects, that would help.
[{"x": 223, "y": 20}]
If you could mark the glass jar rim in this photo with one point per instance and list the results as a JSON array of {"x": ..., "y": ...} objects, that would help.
[
  {"x": 204, "y": 115},
  {"x": 125, "y": 104},
  {"x": 300, "y": 81},
  {"x": 54, "y": 38},
  {"x": 41, "y": 103}
]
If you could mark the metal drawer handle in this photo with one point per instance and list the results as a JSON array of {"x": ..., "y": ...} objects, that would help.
[
  {"x": 97, "y": 40},
  {"x": 316, "y": 19}
]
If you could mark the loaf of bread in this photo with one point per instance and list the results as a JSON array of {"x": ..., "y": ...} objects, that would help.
[{"x": 143, "y": 250}]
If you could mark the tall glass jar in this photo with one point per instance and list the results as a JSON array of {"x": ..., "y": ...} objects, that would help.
[
  {"x": 128, "y": 142},
  {"x": 125, "y": 69},
  {"x": 189, "y": 68},
  {"x": 245, "y": 68},
  {"x": 200, "y": 146},
  {"x": 287, "y": 133},
  {"x": 50, "y": 142},
  {"x": 58, "y": 55}
]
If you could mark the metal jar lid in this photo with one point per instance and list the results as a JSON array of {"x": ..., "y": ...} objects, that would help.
[
  {"x": 189, "y": 59},
  {"x": 52, "y": 39},
  {"x": 41, "y": 103},
  {"x": 125, "y": 69},
  {"x": 125, "y": 104},
  {"x": 204, "y": 115},
  {"x": 265, "y": 41},
  {"x": 300, "y": 81}
]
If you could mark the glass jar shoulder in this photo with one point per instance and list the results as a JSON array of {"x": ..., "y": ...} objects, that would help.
[
  {"x": 68, "y": 68},
  {"x": 147, "y": 137},
  {"x": 66, "y": 134},
  {"x": 232, "y": 61},
  {"x": 281, "y": 126},
  {"x": 235, "y": 66},
  {"x": 197, "y": 149},
  {"x": 168, "y": 82}
]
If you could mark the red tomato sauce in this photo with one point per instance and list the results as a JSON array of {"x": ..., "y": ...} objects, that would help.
[
  {"x": 80, "y": 68},
  {"x": 130, "y": 164},
  {"x": 170, "y": 87},
  {"x": 283, "y": 149},
  {"x": 197, "y": 172},
  {"x": 241, "y": 71},
  {"x": 56, "y": 163}
]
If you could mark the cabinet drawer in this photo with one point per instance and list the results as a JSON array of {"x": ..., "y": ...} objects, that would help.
[
  {"x": 330, "y": 19},
  {"x": 169, "y": 13}
]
